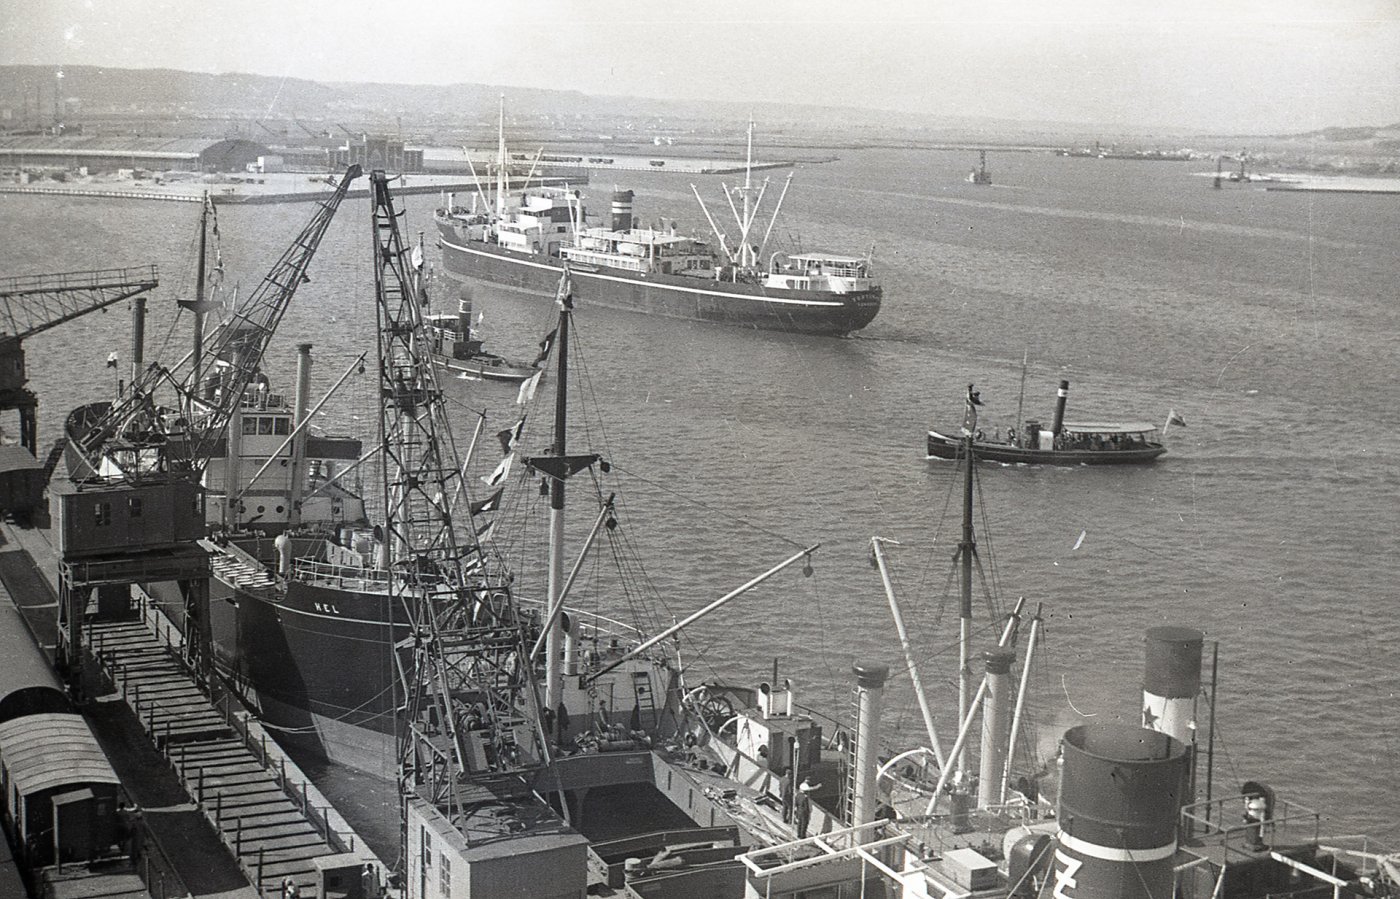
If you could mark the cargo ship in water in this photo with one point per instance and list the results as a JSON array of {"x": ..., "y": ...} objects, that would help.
[{"x": 530, "y": 235}]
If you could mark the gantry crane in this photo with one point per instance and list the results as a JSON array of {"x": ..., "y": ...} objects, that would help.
[
  {"x": 33, "y": 304},
  {"x": 136, "y": 506}
]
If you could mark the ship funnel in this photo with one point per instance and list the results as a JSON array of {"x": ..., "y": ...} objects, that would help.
[
  {"x": 870, "y": 690},
  {"x": 621, "y": 210},
  {"x": 1172, "y": 681},
  {"x": 996, "y": 724},
  {"x": 1120, "y": 797},
  {"x": 1058, "y": 424}
]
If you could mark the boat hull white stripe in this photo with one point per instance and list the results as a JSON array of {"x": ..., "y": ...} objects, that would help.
[
  {"x": 1113, "y": 853},
  {"x": 581, "y": 275}
]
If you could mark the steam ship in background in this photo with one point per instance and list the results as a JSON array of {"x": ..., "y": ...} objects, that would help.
[{"x": 620, "y": 265}]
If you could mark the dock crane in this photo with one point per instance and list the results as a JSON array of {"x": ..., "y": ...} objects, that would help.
[
  {"x": 281, "y": 135},
  {"x": 467, "y": 648},
  {"x": 33, "y": 304},
  {"x": 319, "y": 135},
  {"x": 135, "y": 506},
  {"x": 136, "y": 437}
]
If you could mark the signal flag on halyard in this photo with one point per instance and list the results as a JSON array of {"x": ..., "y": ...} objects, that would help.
[
  {"x": 527, "y": 388},
  {"x": 509, "y": 436},
  {"x": 490, "y": 504},
  {"x": 112, "y": 359},
  {"x": 502, "y": 471},
  {"x": 1174, "y": 419},
  {"x": 974, "y": 399},
  {"x": 566, "y": 290},
  {"x": 545, "y": 346},
  {"x": 486, "y": 531}
]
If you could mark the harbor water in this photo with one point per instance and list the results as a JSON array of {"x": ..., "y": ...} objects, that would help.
[{"x": 1268, "y": 321}]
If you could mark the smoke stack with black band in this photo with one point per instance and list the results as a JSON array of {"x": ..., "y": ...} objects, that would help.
[
  {"x": 1120, "y": 799},
  {"x": 1059, "y": 422}
]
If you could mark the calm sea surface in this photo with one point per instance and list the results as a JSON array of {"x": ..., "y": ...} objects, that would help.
[{"x": 1269, "y": 321}]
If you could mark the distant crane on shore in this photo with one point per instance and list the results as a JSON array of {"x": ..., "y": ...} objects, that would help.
[{"x": 33, "y": 304}]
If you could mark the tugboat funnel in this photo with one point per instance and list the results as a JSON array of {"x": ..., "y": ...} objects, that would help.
[{"x": 1059, "y": 422}]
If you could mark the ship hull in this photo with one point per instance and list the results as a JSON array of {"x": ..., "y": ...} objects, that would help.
[
  {"x": 942, "y": 446},
  {"x": 314, "y": 663},
  {"x": 486, "y": 368},
  {"x": 673, "y": 296}
]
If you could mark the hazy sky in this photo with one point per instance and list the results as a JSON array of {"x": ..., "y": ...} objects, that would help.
[{"x": 1251, "y": 65}]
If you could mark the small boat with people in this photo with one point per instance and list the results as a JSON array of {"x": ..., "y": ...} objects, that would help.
[{"x": 1094, "y": 442}]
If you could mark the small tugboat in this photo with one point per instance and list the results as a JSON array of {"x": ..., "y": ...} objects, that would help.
[
  {"x": 457, "y": 348},
  {"x": 456, "y": 345},
  {"x": 1063, "y": 443}
]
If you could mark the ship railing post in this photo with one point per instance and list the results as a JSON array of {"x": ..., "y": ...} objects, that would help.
[
  {"x": 200, "y": 788},
  {"x": 238, "y": 837},
  {"x": 218, "y": 809},
  {"x": 260, "y": 869}
]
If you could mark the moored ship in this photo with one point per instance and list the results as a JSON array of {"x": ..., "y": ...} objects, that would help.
[{"x": 618, "y": 264}]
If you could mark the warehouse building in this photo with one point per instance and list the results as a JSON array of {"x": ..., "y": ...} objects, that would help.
[{"x": 106, "y": 153}]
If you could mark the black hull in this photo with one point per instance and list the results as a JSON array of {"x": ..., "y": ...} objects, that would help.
[
  {"x": 315, "y": 663},
  {"x": 673, "y": 296},
  {"x": 941, "y": 446}
]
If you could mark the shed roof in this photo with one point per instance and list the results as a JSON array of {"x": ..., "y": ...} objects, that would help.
[
  {"x": 107, "y": 143},
  {"x": 24, "y": 666},
  {"x": 53, "y": 749}
]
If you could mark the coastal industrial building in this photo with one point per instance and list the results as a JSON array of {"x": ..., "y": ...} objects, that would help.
[{"x": 108, "y": 153}]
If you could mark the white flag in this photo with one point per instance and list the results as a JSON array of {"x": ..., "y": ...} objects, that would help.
[
  {"x": 527, "y": 388},
  {"x": 501, "y": 473}
]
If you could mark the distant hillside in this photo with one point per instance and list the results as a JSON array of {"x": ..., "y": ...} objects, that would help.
[
  {"x": 178, "y": 103},
  {"x": 95, "y": 93}
]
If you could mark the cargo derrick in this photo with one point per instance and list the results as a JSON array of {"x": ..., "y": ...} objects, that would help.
[{"x": 135, "y": 506}]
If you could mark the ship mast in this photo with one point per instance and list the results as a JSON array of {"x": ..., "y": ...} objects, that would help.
[
  {"x": 967, "y": 551},
  {"x": 200, "y": 304},
  {"x": 554, "y": 645},
  {"x": 502, "y": 178},
  {"x": 558, "y": 466}
]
